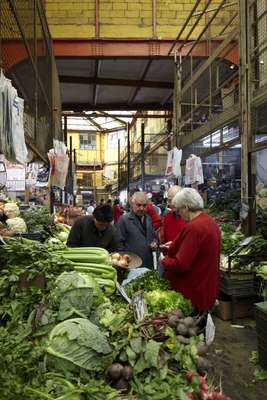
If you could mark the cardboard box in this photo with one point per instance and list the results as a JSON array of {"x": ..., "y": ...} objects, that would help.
[{"x": 243, "y": 308}]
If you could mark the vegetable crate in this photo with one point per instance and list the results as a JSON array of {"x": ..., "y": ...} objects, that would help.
[
  {"x": 32, "y": 236},
  {"x": 238, "y": 284},
  {"x": 261, "y": 327}
]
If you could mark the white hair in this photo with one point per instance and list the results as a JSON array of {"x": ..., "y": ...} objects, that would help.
[
  {"x": 188, "y": 198},
  {"x": 173, "y": 190},
  {"x": 139, "y": 196}
]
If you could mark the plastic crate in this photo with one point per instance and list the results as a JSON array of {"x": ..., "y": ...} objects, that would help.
[
  {"x": 238, "y": 285},
  {"x": 32, "y": 236},
  {"x": 261, "y": 328}
]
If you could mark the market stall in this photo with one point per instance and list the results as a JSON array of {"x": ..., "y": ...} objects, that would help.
[{"x": 87, "y": 339}]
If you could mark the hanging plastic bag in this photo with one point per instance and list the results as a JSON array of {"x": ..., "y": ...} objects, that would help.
[
  {"x": 169, "y": 163},
  {"x": 209, "y": 331},
  {"x": 61, "y": 170}
]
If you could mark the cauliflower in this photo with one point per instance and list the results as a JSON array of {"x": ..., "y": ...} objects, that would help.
[
  {"x": 16, "y": 225},
  {"x": 11, "y": 210}
]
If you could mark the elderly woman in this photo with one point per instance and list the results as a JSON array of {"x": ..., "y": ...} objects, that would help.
[{"x": 192, "y": 261}]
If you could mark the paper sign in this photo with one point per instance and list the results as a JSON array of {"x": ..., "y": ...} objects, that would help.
[
  {"x": 210, "y": 331},
  {"x": 139, "y": 307},
  {"x": 123, "y": 293},
  {"x": 246, "y": 241}
]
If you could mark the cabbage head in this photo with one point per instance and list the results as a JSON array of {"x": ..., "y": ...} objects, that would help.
[
  {"x": 76, "y": 294},
  {"x": 80, "y": 343},
  {"x": 16, "y": 225}
]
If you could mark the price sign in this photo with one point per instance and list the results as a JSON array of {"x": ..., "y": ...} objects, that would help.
[
  {"x": 139, "y": 306},
  {"x": 246, "y": 241},
  {"x": 123, "y": 293}
]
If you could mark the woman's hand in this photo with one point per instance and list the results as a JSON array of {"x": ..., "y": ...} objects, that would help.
[
  {"x": 165, "y": 246},
  {"x": 161, "y": 257}
]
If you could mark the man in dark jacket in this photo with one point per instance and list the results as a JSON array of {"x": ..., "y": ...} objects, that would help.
[
  {"x": 135, "y": 230},
  {"x": 95, "y": 230}
]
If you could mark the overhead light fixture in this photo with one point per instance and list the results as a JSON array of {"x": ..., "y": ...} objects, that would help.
[
  {"x": 232, "y": 66},
  {"x": 261, "y": 62}
]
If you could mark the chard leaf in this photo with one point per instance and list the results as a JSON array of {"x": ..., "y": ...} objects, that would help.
[
  {"x": 136, "y": 344},
  {"x": 131, "y": 355},
  {"x": 152, "y": 353},
  {"x": 140, "y": 365}
]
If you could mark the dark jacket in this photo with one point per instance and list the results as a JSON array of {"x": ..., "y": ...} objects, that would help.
[
  {"x": 133, "y": 237},
  {"x": 84, "y": 234}
]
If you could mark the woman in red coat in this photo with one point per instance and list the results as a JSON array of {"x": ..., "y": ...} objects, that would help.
[
  {"x": 117, "y": 211},
  {"x": 192, "y": 261}
]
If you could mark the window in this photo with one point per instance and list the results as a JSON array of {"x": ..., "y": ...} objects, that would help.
[{"x": 87, "y": 141}]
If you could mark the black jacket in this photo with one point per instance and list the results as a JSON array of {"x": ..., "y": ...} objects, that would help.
[{"x": 84, "y": 234}]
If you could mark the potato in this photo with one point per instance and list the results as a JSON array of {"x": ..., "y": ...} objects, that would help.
[
  {"x": 127, "y": 258},
  {"x": 116, "y": 256},
  {"x": 122, "y": 263},
  {"x": 182, "y": 329}
]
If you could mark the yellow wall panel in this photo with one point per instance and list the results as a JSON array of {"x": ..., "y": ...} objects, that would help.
[{"x": 129, "y": 19}]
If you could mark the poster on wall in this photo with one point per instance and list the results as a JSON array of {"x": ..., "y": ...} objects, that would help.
[{"x": 15, "y": 177}]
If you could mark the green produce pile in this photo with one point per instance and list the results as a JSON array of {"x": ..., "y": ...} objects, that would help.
[
  {"x": 93, "y": 261},
  {"x": 262, "y": 212},
  {"x": 69, "y": 339},
  {"x": 150, "y": 280},
  {"x": 231, "y": 237},
  {"x": 246, "y": 258},
  {"x": 39, "y": 220}
]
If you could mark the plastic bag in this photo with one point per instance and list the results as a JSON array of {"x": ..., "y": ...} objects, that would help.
[{"x": 210, "y": 330}]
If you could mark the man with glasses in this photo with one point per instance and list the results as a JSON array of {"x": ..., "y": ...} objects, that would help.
[{"x": 135, "y": 230}]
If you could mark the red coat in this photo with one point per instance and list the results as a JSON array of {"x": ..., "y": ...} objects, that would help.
[
  {"x": 156, "y": 218},
  {"x": 192, "y": 263},
  {"x": 172, "y": 225},
  {"x": 117, "y": 212}
]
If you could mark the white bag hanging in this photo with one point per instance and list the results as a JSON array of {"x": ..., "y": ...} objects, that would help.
[
  {"x": 169, "y": 163},
  {"x": 176, "y": 163}
]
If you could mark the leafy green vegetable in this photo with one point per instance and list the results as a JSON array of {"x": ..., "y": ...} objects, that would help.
[
  {"x": 164, "y": 301},
  {"x": 77, "y": 294},
  {"x": 230, "y": 238},
  {"x": 81, "y": 343},
  {"x": 147, "y": 282},
  {"x": 259, "y": 373},
  {"x": 39, "y": 220},
  {"x": 28, "y": 271}
]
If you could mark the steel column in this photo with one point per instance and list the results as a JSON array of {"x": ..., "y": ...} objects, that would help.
[
  {"x": 247, "y": 157},
  {"x": 119, "y": 166},
  {"x": 128, "y": 158},
  {"x": 65, "y": 129},
  {"x": 143, "y": 156},
  {"x": 177, "y": 99}
]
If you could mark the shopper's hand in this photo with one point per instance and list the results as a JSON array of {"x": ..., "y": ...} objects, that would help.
[
  {"x": 161, "y": 257},
  {"x": 165, "y": 246}
]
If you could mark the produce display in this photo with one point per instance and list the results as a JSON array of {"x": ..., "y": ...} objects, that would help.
[
  {"x": 246, "y": 258},
  {"x": 120, "y": 260},
  {"x": 93, "y": 261},
  {"x": 261, "y": 201},
  {"x": 150, "y": 280},
  {"x": 39, "y": 220},
  {"x": 231, "y": 237},
  {"x": 73, "y": 338},
  {"x": 11, "y": 223}
]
